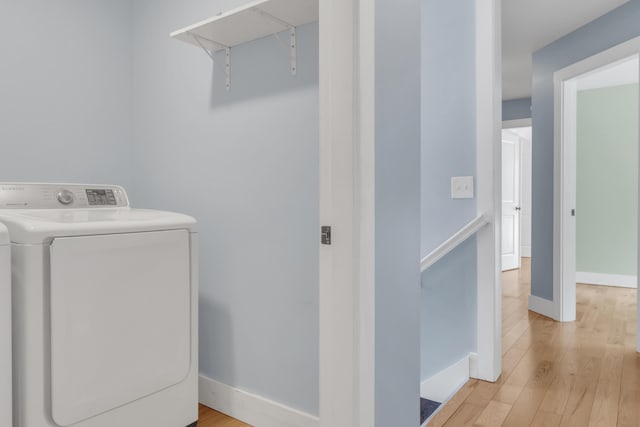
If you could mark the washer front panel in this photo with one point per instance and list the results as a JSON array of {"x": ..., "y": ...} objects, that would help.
[
  {"x": 5, "y": 330},
  {"x": 120, "y": 320}
]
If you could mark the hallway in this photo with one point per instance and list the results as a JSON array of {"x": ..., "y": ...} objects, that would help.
[{"x": 585, "y": 373}]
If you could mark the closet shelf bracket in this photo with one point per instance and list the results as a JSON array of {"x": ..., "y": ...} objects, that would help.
[
  {"x": 293, "y": 55},
  {"x": 210, "y": 53}
]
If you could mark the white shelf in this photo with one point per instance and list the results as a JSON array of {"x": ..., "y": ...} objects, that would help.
[{"x": 252, "y": 21}]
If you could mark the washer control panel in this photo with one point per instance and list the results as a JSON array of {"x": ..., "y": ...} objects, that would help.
[
  {"x": 65, "y": 197},
  {"x": 61, "y": 196}
]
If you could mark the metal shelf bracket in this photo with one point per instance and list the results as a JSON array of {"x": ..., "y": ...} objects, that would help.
[
  {"x": 227, "y": 68},
  {"x": 210, "y": 53},
  {"x": 292, "y": 36},
  {"x": 294, "y": 54}
]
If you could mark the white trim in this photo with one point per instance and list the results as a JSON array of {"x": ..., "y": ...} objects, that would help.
[
  {"x": 517, "y": 123},
  {"x": 441, "y": 386},
  {"x": 489, "y": 182},
  {"x": 251, "y": 408},
  {"x": 600, "y": 279},
  {"x": 445, "y": 384},
  {"x": 542, "y": 306},
  {"x": 565, "y": 88},
  {"x": 454, "y": 241},
  {"x": 565, "y": 199},
  {"x": 366, "y": 198},
  {"x": 525, "y": 251},
  {"x": 473, "y": 365},
  {"x": 347, "y": 184}
]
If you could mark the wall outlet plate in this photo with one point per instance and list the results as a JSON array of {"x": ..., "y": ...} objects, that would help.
[{"x": 462, "y": 187}]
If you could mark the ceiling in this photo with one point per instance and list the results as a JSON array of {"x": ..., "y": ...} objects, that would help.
[{"x": 530, "y": 25}]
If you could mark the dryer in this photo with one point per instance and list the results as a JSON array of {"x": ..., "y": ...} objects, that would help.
[
  {"x": 5, "y": 328},
  {"x": 104, "y": 309}
]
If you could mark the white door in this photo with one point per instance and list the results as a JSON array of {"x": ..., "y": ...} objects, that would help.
[
  {"x": 525, "y": 191},
  {"x": 510, "y": 200}
]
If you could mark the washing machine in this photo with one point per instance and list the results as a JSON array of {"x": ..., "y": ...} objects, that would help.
[
  {"x": 5, "y": 328},
  {"x": 104, "y": 309}
]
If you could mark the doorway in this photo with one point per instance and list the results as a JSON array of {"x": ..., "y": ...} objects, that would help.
[
  {"x": 516, "y": 193},
  {"x": 587, "y": 173}
]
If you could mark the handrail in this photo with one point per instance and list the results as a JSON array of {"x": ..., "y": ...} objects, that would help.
[{"x": 454, "y": 241}]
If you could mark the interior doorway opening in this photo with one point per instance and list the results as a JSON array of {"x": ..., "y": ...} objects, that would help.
[
  {"x": 607, "y": 175},
  {"x": 516, "y": 194},
  {"x": 596, "y": 174}
]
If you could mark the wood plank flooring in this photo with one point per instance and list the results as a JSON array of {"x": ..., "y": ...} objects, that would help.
[
  {"x": 583, "y": 374},
  {"x": 208, "y": 417}
]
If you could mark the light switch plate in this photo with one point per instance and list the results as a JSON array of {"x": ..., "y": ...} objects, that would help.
[{"x": 462, "y": 187}]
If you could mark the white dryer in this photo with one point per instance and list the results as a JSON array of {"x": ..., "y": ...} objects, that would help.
[
  {"x": 5, "y": 328},
  {"x": 104, "y": 309}
]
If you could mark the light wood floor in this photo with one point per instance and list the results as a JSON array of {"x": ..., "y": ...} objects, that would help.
[
  {"x": 585, "y": 373},
  {"x": 207, "y": 417}
]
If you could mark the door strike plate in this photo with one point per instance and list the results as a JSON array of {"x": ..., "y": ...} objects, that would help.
[{"x": 325, "y": 235}]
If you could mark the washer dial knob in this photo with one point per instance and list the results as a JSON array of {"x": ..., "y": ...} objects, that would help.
[{"x": 65, "y": 197}]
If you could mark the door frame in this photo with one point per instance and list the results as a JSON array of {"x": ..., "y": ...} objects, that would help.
[
  {"x": 347, "y": 202},
  {"x": 347, "y": 190},
  {"x": 489, "y": 186},
  {"x": 564, "y": 175},
  {"x": 517, "y": 123}
]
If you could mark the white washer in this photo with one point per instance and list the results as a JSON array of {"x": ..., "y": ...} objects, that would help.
[
  {"x": 5, "y": 328},
  {"x": 104, "y": 309}
]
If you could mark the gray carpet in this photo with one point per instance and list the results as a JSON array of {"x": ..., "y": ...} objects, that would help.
[{"x": 427, "y": 407}]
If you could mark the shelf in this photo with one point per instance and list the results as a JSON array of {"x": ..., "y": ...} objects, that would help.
[{"x": 252, "y": 21}]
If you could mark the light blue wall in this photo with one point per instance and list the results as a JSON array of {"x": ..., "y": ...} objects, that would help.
[
  {"x": 607, "y": 31},
  {"x": 516, "y": 109},
  {"x": 245, "y": 164},
  {"x": 96, "y": 91},
  {"x": 397, "y": 212},
  {"x": 65, "y": 91},
  {"x": 448, "y": 301}
]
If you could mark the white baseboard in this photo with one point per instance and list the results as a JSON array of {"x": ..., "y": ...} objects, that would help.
[
  {"x": 473, "y": 365},
  {"x": 250, "y": 408},
  {"x": 441, "y": 386},
  {"x": 525, "y": 251},
  {"x": 542, "y": 306},
  {"x": 600, "y": 279}
]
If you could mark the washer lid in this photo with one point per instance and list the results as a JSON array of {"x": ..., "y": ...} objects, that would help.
[
  {"x": 4, "y": 235},
  {"x": 36, "y": 226}
]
